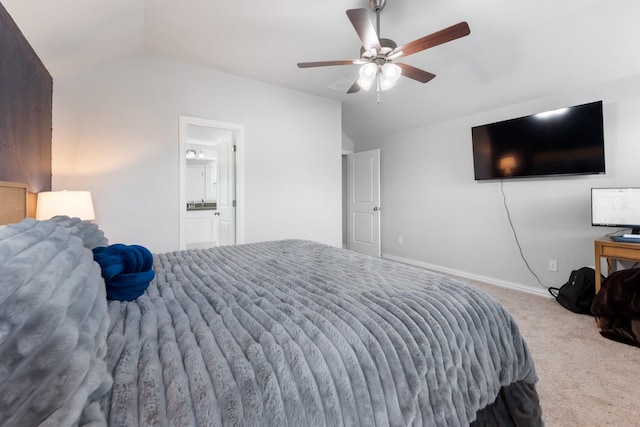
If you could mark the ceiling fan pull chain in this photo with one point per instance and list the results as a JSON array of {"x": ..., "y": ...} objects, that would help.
[{"x": 378, "y": 85}]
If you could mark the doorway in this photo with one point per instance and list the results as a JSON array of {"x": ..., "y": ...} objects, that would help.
[{"x": 211, "y": 186}]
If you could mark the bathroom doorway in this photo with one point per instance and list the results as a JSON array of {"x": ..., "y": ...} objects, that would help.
[{"x": 209, "y": 184}]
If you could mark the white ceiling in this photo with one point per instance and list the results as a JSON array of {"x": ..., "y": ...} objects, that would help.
[{"x": 517, "y": 50}]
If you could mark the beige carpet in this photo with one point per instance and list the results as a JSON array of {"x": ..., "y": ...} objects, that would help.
[{"x": 584, "y": 379}]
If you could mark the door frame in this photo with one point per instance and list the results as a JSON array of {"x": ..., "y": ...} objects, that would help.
[{"x": 238, "y": 132}]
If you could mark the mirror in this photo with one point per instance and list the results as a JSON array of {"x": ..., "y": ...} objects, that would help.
[{"x": 201, "y": 174}]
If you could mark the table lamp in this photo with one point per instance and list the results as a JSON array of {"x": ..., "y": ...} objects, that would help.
[{"x": 71, "y": 203}]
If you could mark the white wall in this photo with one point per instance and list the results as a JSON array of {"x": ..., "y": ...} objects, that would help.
[
  {"x": 451, "y": 222},
  {"x": 116, "y": 134},
  {"x": 348, "y": 145}
]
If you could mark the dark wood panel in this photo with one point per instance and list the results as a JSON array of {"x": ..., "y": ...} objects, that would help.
[{"x": 26, "y": 90}]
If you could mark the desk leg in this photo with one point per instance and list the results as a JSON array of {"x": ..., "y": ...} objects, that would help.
[
  {"x": 598, "y": 275},
  {"x": 610, "y": 266}
]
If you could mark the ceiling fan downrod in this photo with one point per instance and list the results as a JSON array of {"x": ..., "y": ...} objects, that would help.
[{"x": 377, "y": 6}]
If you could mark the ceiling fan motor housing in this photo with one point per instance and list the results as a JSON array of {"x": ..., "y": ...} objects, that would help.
[
  {"x": 377, "y": 5},
  {"x": 387, "y": 45}
]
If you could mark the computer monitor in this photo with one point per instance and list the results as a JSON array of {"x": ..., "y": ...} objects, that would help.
[{"x": 616, "y": 207}]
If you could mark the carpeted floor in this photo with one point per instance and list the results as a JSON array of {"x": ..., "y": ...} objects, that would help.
[{"x": 585, "y": 380}]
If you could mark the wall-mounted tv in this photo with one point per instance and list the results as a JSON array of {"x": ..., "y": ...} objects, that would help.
[{"x": 567, "y": 141}]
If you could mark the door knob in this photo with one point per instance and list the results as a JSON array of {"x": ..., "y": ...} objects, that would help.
[
  {"x": 217, "y": 213},
  {"x": 376, "y": 209}
]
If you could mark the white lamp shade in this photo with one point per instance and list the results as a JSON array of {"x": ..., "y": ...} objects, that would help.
[
  {"x": 71, "y": 203},
  {"x": 367, "y": 75},
  {"x": 390, "y": 73}
]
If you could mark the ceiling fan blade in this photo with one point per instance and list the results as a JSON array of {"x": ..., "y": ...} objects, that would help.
[
  {"x": 325, "y": 63},
  {"x": 450, "y": 33},
  {"x": 355, "y": 87},
  {"x": 415, "y": 73},
  {"x": 364, "y": 27}
]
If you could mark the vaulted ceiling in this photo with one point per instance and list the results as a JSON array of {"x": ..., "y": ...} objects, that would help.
[{"x": 517, "y": 50}]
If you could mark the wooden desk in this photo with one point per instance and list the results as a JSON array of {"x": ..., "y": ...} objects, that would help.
[{"x": 607, "y": 248}]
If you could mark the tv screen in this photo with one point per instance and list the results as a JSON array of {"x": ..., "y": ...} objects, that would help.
[
  {"x": 616, "y": 207},
  {"x": 567, "y": 141}
]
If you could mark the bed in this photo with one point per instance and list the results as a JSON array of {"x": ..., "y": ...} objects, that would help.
[{"x": 278, "y": 333}]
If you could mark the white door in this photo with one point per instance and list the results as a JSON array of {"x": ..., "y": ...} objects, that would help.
[
  {"x": 363, "y": 192},
  {"x": 226, "y": 203}
]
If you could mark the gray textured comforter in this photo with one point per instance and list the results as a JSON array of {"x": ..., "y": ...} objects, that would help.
[
  {"x": 298, "y": 333},
  {"x": 53, "y": 324}
]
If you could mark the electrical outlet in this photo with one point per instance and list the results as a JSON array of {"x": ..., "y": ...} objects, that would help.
[
  {"x": 553, "y": 265},
  {"x": 399, "y": 240}
]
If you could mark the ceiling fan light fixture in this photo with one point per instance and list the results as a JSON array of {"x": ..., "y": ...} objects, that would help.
[
  {"x": 368, "y": 74},
  {"x": 389, "y": 75}
]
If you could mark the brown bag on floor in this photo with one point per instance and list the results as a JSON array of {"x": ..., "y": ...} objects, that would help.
[{"x": 618, "y": 306}]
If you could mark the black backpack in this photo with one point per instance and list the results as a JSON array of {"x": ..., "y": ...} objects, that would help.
[{"x": 578, "y": 293}]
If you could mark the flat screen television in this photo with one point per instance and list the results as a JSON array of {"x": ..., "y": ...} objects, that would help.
[
  {"x": 616, "y": 207},
  {"x": 567, "y": 141}
]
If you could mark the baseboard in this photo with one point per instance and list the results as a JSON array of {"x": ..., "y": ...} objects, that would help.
[{"x": 466, "y": 275}]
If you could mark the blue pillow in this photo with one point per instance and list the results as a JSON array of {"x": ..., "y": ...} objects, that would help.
[{"x": 126, "y": 269}]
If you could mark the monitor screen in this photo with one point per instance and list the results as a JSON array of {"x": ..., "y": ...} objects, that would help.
[
  {"x": 567, "y": 141},
  {"x": 616, "y": 207}
]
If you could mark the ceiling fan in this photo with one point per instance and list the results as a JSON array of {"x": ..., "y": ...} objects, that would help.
[{"x": 378, "y": 55}]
